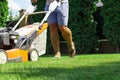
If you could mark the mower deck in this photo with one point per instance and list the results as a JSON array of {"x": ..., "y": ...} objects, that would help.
[{"x": 19, "y": 54}]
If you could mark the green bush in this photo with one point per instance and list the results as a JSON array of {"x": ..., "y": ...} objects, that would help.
[
  {"x": 82, "y": 24},
  {"x": 3, "y": 12},
  {"x": 111, "y": 13}
]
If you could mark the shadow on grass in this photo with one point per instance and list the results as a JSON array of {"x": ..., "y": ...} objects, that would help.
[{"x": 107, "y": 71}]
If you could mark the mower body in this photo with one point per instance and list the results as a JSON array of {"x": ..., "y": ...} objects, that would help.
[{"x": 17, "y": 45}]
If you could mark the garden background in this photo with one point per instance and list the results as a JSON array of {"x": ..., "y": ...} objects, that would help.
[{"x": 82, "y": 23}]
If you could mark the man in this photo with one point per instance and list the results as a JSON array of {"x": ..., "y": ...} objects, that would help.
[{"x": 58, "y": 19}]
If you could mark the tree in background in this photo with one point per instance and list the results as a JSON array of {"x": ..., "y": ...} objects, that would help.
[
  {"x": 3, "y": 12},
  {"x": 10, "y": 18}
]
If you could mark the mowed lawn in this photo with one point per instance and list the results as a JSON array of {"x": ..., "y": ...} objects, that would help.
[{"x": 80, "y": 67}]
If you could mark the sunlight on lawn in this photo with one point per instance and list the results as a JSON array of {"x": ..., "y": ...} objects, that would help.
[{"x": 80, "y": 67}]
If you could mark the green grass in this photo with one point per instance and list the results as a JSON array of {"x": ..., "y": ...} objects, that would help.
[{"x": 80, "y": 67}]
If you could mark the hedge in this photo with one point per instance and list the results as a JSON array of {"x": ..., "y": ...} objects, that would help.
[
  {"x": 3, "y": 12},
  {"x": 83, "y": 25},
  {"x": 111, "y": 13}
]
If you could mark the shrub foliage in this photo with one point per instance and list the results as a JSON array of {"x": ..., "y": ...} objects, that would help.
[
  {"x": 3, "y": 12},
  {"x": 111, "y": 13},
  {"x": 82, "y": 24}
]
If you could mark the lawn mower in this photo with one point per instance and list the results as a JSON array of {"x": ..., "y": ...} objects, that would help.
[{"x": 16, "y": 44}]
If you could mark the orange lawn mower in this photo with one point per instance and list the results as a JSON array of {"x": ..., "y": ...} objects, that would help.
[{"x": 16, "y": 44}]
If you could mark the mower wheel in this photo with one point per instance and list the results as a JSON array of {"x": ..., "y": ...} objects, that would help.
[
  {"x": 3, "y": 57},
  {"x": 33, "y": 55}
]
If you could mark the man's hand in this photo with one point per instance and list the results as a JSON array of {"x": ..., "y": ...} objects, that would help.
[{"x": 33, "y": 1}]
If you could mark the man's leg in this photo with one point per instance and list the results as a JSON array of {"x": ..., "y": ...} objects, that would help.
[
  {"x": 67, "y": 35},
  {"x": 62, "y": 19},
  {"x": 54, "y": 36}
]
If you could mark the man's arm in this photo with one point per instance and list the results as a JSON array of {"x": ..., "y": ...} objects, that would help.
[{"x": 33, "y": 1}]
